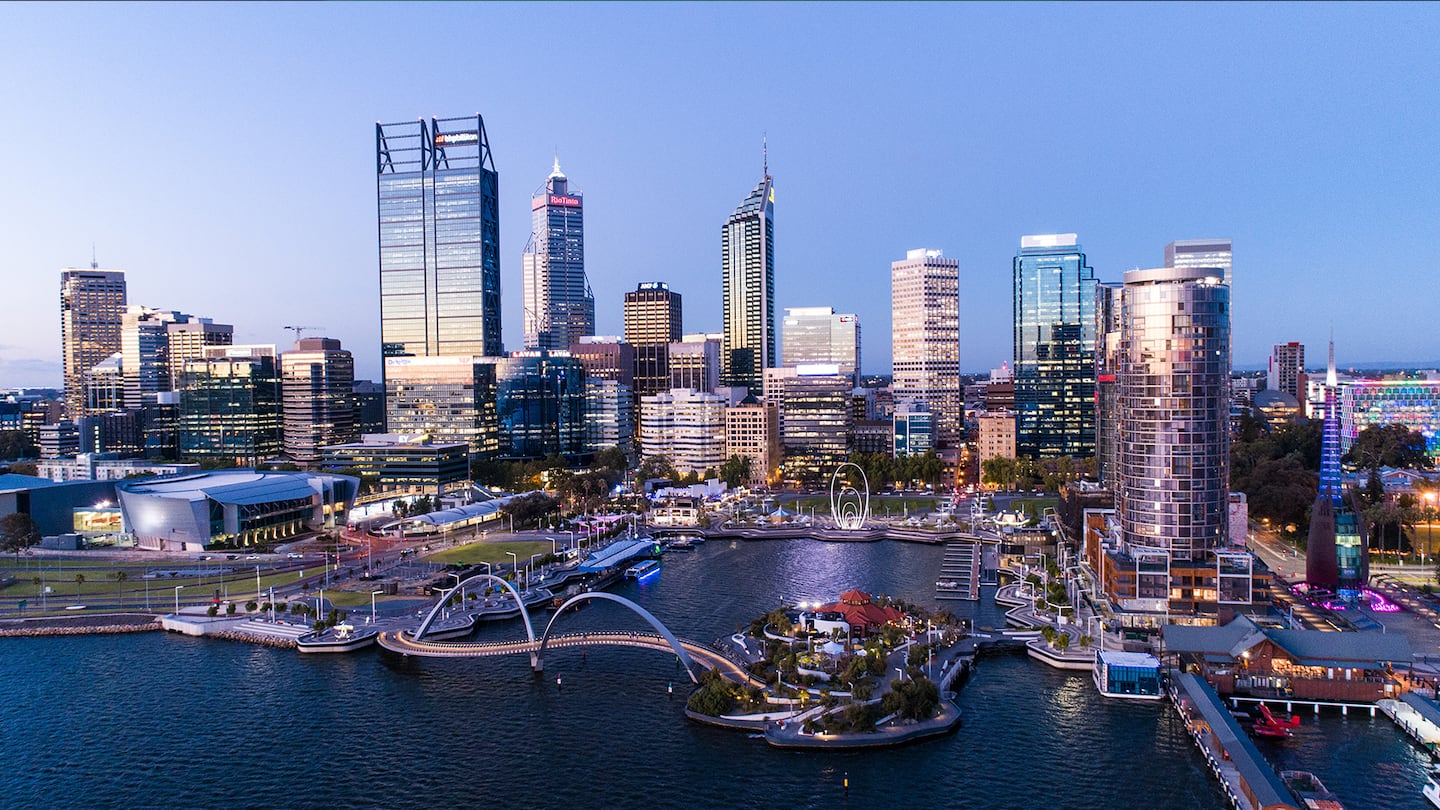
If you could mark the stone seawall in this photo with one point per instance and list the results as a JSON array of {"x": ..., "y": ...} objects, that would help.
[{"x": 79, "y": 625}]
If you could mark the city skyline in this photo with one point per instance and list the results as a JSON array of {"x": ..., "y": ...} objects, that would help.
[{"x": 1256, "y": 174}]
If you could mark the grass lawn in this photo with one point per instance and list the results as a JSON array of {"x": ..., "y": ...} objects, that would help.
[
  {"x": 1032, "y": 506},
  {"x": 489, "y": 552},
  {"x": 897, "y": 504}
]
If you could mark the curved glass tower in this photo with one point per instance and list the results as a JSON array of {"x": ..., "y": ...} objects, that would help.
[{"x": 1174, "y": 392}]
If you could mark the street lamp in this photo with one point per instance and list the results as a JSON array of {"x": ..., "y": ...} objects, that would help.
[
  {"x": 514, "y": 563},
  {"x": 177, "y": 599},
  {"x": 372, "y": 605}
]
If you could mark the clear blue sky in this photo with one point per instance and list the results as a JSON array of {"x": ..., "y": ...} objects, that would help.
[{"x": 223, "y": 155}]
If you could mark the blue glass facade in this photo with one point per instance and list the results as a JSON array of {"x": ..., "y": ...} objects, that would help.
[
  {"x": 439, "y": 228},
  {"x": 540, "y": 404},
  {"x": 1054, "y": 317}
]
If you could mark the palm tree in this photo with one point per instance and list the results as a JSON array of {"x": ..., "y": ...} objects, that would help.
[
  {"x": 120, "y": 577},
  {"x": 79, "y": 580}
]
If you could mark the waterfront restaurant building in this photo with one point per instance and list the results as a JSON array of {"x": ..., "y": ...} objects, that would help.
[
  {"x": 234, "y": 507},
  {"x": 1243, "y": 658}
]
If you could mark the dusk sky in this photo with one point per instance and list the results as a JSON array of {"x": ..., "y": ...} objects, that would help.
[{"x": 223, "y": 156}]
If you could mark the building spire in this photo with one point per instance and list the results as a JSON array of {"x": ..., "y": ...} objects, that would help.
[
  {"x": 94, "y": 263},
  {"x": 765, "y": 155},
  {"x": 1330, "y": 377},
  {"x": 555, "y": 172}
]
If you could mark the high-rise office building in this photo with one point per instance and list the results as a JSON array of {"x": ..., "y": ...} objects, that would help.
[
  {"x": 92, "y": 302},
  {"x": 1054, "y": 309},
  {"x": 438, "y": 197},
  {"x": 230, "y": 406},
  {"x": 747, "y": 260},
  {"x": 609, "y": 416},
  {"x": 925, "y": 338},
  {"x": 1174, "y": 461},
  {"x": 810, "y": 335},
  {"x": 652, "y": 323},
  {"x": 155, "y": 344},
  {"x": 559, "y": 307},
  {"x": 694, "y": 363},
  {"x": 1286, "y": 370},
  {"x": 606, "y": 357},
  {"x": 815, "y": 412},
  {"x": 317, "y": 379},
  {"x": 1191, "y": 254},
  {"x": 540, "y": 404},
  {"x": 450, "y": 399}
]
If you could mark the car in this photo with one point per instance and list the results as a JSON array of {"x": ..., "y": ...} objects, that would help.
[
  {"x": 294, "y": 556},
  {"x": 252, "y": 556}
]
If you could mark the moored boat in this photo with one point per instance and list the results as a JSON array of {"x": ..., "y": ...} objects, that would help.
[{"x": 1311, "y": 792}]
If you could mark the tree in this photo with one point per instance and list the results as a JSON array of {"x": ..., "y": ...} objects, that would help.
[
  {"x": 1389, "y": 446},
  {"x": 735, "y": 471},
  {"x": 79, "y": 581},
  {"x": 16, "y": 444},
  {"x": 653, "y": 467},
  {"x": 120, "y": 577},
  {"x": 18, "y": 532}
]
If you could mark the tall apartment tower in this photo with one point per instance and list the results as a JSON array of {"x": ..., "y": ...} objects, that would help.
[
  {"x": 747, "y": 259},
  {"x": 810, "y": 335},
  {"x": 317, "y": 408},
  {"x": 652, "y": 323},
  {"x": 92, "y": 303},
  {"x": 559, "y": 307},
  {"x": 1054, "y": 309},
  {"x": 1191, "y": 254},
  {"x": 1174, "y": 378},
  {"x": 925, "y": 338},
  {"x": 438, "y": 197},
  {"x": 1286, "y": 371}
]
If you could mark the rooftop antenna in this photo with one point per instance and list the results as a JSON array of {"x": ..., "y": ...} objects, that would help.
[
  {"x": 765, "y": 153},
  {"x": 94, "y": 264}
]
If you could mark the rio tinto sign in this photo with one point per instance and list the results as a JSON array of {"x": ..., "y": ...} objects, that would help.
[{"x": 568, "y": 202}]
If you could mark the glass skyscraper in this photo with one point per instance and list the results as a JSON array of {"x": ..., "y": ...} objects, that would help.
[
  {"x": 559, "y": 307},
  {"x": 438, "y": 198},
  {"x": 747, "y": 251},
  {"x": 1054, "y": 348}
]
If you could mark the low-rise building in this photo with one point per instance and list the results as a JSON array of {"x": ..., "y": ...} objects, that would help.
[
  {"x": 1244, "y": 658},
  {"x": 752, "y": 430},
  {"x": 233, "y": 507},
  {"x": 402, "y": 462}
]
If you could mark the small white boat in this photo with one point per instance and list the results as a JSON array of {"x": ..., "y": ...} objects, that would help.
[
  {"x": 643, "y": 569},
  {"x": 1431, "y": 790}
]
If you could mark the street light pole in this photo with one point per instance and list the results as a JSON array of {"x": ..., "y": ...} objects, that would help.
[
  {"x": 372, "y": 605},
  {"x": 177, "y": 599}
]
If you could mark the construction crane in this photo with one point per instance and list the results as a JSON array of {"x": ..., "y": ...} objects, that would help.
[{"x": 300, "y": 329}]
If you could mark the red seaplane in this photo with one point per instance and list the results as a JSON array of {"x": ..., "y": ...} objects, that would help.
[{"x": 1266, "y": 725}]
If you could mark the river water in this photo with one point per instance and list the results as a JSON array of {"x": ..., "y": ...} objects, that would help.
[{"x": 158, "y": 720}]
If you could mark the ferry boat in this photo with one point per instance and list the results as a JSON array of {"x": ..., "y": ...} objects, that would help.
[
  {"x": 1432, "y": 786},
  {"x": 1311, "y": 792},
  {"x": 338, "y": 639},
  {"x": 643, "y": 569},
  {"x": 1128, "y": 675}
]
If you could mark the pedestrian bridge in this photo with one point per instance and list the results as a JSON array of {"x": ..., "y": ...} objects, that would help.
[
  {"x": 691, "y": 654},
  {"x": 700, "y": 655}
]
